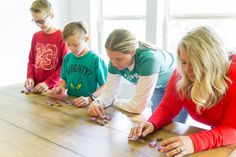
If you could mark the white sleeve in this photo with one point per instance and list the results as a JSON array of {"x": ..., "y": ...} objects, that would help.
[
  {"x": 111, "y": 90},
  {"x": 143, "y": 94}
]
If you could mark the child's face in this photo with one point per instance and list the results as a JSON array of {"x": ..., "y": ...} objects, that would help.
[
  {"x": 42, "y": 20},
  {"x": 121, "y": 60},
  {"x": 77, "y": 44}
]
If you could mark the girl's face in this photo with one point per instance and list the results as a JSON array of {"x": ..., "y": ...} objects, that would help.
[
  {"x": 43, "y": 21},
  {"x": 121, "y": 60},
  {"x": 77, "y": 44},
  {"x": 186, "y": 64}
]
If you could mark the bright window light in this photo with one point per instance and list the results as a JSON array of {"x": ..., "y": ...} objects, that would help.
[{"x": 184, "y": 15}]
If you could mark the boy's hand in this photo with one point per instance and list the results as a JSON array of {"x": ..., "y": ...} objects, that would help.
[
  {"x": 96, "y": 109},
  {"x": 29, "y": 84},
  {"x": 58, "y": 93},
  {"x": 41, "y": 87},
  {"x": 141, "y": 130},
  {"x": 58, "y": 90},
  {"x": 81, "y": 101}
]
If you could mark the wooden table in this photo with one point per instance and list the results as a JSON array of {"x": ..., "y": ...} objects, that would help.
[{"x": 31, "y": 128}]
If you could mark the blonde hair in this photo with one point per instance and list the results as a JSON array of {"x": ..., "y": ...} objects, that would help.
[
  {"x": 41, "y": 6},
  {"x": 210, "y": 65},
  {"x": 123, "y": 40},
  {"x": 75, "y": 28}
]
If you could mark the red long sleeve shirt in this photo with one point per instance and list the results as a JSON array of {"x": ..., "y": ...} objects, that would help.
[
  {"x": 45, "y": 58},
  {"x": 221, "y": 117}
]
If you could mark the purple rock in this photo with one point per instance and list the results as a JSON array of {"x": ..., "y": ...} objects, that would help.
[{"x": 153, "y": 144}]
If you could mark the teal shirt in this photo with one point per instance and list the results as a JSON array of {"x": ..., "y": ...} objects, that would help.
[
  {"x": 83, "y": 75},
  {"x": 148, "y": 62}
]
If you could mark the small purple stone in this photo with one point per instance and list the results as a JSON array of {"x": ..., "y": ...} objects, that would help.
[
  {"x": 153, "y": 144},
  {"x": 108, "y": 117},
  {"x": 68, "y": 102},
  {"x": 159, "y": 148},
  {"x": 93, "y": 118}
]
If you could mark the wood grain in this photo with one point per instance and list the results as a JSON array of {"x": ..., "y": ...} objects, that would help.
[{"x": 29, "y": 127}]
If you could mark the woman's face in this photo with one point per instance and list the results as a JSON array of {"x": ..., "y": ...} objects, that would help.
[
  {"x": 186, "y": 64},
  {"x": 121, "y": 60}
]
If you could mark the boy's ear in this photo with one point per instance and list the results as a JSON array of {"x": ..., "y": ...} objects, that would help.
[{"x": 86, "y": 38}]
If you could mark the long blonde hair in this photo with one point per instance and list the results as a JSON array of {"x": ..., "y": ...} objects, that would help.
[{"x": 210, "y": 65}]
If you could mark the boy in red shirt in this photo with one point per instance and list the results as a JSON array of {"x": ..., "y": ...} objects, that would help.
[{"x": 47, "y": 50}]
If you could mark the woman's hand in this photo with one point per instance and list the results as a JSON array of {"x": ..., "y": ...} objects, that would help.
[
  {"x": 81, "y": 101},
  {"x": 177, "y": 146},
  {"x": 141, "y": 130},
  {"x": 96, "y": 109}
]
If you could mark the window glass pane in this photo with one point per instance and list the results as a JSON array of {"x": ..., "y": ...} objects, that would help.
[
  {"x": 123, "y": 7},
  {"x": 202, "y": 6},
  {"x": 137, "y": 27},
  {"x": 224, "y": 28}
]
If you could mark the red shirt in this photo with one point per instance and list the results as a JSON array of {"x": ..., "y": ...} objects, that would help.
[
  {"x": 221, "y": 117},
  {"x": 45, "y": 58}
]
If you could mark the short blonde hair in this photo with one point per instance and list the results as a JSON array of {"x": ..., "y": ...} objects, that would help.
[
  {"x": 74, "y": 28},
  {"x": 210, "y": 64},
  {"x": 41, "y": 6}
]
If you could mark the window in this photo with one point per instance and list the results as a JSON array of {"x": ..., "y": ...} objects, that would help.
[
  {"x": 183, "y": 15},
  {"x": 127, "y": 14},
  {"x": 165, "y": 22}
]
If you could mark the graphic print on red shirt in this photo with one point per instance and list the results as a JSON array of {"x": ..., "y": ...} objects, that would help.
[{"x": 46, "y": 56}]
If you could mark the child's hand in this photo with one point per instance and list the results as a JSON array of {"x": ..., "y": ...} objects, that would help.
[
  {"x": 81, "y": 101},
  {"x": 58, "y": 93},
  {"x": 58, "y": 90},
  {"x": 96, "y": 109},
  {"x": 41, "y": 87},
  {"x": 29, "y": 84}
]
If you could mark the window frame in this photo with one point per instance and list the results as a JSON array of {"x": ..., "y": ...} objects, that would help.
[
  {"x": 103, "y": 18},
  {"x": 189, "y": 16}
]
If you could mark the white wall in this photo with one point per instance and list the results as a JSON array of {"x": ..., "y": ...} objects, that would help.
[
  {"x": 15, "y": 36},
  {"x": 86, "y": 10},
  {"x": 17, "y": 30}
]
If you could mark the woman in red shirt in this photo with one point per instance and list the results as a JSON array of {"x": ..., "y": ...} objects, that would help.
[{"x": 205, "y": 84}]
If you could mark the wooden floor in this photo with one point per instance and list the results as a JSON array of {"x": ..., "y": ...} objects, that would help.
[{"x": 29, "y": 127}]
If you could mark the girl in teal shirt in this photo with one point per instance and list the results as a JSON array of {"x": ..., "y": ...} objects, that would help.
[{"x": 141, "y": 64}]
